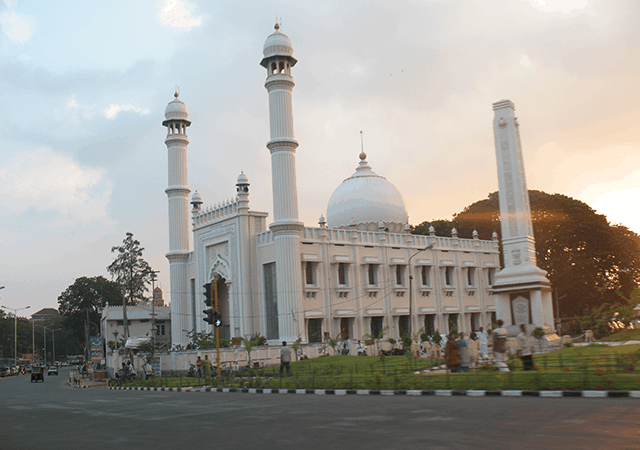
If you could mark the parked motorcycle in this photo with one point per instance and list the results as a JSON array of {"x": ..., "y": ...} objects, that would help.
[
  {"x": 195, "y": 372},
  {"x": 122, "y": 377}
]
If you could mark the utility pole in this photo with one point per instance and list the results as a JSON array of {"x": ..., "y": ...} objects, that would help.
[
  {"x": 153, "y": 311},
  {"x": 87, "y": 348},
  {"x": 215, "y": 290},
  {"x": 15, "y": 331},
  {"x": 428, "y": 247}
]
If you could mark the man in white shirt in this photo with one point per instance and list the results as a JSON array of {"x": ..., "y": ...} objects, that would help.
[
  {"x": 482, "y": 337},
  {"x": 285, "y": 358}
]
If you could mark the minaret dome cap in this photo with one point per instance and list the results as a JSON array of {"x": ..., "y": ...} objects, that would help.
[
  {"x": 278, "y": 44},
  {"x": 176, "y": 110},
  {"x": 243, "y": 179}
]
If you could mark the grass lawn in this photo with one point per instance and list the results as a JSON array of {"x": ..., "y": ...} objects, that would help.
[
  {"x": 624, "y": 335},
  {"x": 596, "y": 367}
]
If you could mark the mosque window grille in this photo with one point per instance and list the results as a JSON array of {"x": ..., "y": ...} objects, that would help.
[
  {"x": 343, "y": 294},
  {"x": 470, "y": 276},
  {"x": 342, "y": 274},
  {"x": 425, "y": 276},
  {"x": 400, "y": 273},
  {"x": 425, "y": 293},
  {"x": 372, "y": 274},
  {"x": 311, "y": 273},
  {"x": 448, "y": 276}
]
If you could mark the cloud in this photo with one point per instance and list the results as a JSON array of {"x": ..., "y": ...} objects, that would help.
[
  {"x": 112, "y": 111},
  {"x": 17, "y": 27},
  {"x": 525, "y": 61},
  {"x": 176, "y": 14},
  {"x": 563, "y": 6},
  {"x": 48, "y": 182}
]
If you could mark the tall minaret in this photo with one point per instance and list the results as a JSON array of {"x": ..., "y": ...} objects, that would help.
[
  {"x": 177, "y": 121},
  {"x": 523, "y": 290},
  {"x": 278, "y": 61}
]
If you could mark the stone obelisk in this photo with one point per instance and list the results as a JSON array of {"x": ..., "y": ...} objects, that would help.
[{"x": 522, "y": 289}]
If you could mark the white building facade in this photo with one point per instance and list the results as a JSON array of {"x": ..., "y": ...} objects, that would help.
[{"x": 358, "y": 273}]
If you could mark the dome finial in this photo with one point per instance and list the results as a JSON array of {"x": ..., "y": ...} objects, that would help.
[{"x": 363, "y": 155}]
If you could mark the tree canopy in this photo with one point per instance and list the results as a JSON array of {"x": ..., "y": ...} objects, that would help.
[
  {"x": 86, "y": 294},
  {"x": 589, "y": 261},
  {"x": 130, "y": 270}
]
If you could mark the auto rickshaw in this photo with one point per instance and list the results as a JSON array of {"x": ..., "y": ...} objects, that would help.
[{"x": 37, "y": 373}]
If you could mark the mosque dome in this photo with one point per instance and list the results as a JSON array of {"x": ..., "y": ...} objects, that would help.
[
  {"x": 176, "y": 110},
  {"x": 277, "y": 44},
  {"x": 367, "y": 202},
  {"x": 243, "y": 179}
]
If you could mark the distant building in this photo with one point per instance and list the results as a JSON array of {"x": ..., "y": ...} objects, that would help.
[
  {"x": 45, "y": 314},
  {"x": 140, "y": 320},
  {"x": 157, "y": 297}
]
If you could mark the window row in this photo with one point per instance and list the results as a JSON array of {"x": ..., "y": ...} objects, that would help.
[{"x": 341, "y": 275}]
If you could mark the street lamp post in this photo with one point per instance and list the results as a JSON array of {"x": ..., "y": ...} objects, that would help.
[
  {"x": 153, "y": 311},
  {"x": 428, "y": 247},
  {"x": 53, "y": 333},
  {"x": 15, "y": 330}
]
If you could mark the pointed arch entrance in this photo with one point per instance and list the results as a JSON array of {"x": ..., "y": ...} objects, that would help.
[{"x": 220, "y": 271}]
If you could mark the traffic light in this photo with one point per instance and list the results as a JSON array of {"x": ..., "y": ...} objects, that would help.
[
  {"x": 213, "y": 317},
  {"x": 208, "y": 294},
  {"x": 209, "y": 316}
]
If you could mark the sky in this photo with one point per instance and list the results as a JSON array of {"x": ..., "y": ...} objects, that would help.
[{"x": 84, "y": 87}]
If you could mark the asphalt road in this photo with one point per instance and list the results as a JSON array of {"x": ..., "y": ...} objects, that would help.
[{"x": 53, "y": 415}]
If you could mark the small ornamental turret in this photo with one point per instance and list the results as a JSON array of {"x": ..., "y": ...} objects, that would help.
[
  {"x": 196, "y": 202},
  {"x": 242, "y": 186}
]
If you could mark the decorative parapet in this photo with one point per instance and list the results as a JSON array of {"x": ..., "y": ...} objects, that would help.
[
  {"x": 342, "y": 236},
  {"x": 216, "y": 213},
  {"x": 264, "y": 238}
]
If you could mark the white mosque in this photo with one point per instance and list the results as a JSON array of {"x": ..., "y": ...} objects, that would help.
[{"x": 359, "y": 272}]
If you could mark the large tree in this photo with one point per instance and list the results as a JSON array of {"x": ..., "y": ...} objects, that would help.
[
  {"x": 80, "y": 305},
  {"x": 589, "y": 261},
  {"x": 130, "y": 270}
]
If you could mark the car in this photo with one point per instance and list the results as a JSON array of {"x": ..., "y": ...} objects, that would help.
[
  {"x": 37, "y": 374},
  {"x": 52, "y": 370}
]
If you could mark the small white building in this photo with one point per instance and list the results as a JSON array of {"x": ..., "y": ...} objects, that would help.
[{"x": 140, "y": 318}]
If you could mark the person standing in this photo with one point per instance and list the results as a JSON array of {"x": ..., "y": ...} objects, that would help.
[
  {"x": 199, "y": 366},
  {"x": 500, "y": 347},
  {"x": 525, "y": 348},
  {"x": 465, "y": 359},
  {"x": 452, "y": 353},
  {"x": 482, "y": 338},
  {"x": 285, "y": 358},
  {"x": 206, "y": 366}
]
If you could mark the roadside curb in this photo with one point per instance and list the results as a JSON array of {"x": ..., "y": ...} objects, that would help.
[
  {"x": 79, "y": 386},
  {"x": 390, "y": 392}
]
